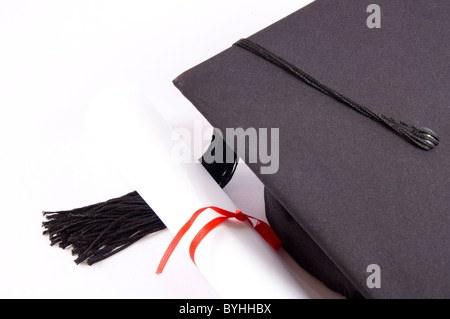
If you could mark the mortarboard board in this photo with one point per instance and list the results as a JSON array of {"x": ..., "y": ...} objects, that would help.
[{"x": 350, "y": 193}]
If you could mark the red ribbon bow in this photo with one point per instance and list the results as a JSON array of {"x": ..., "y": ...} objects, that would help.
[{"x": 261, "y": 227}]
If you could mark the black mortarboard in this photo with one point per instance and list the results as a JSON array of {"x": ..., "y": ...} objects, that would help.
[{"x": 359, "y": 183}]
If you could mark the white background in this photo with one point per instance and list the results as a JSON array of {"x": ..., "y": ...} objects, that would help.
[{"x": 55, "y": 56}]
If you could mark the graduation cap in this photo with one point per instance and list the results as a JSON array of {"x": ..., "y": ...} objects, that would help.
[{"x": 360, "y": 95}]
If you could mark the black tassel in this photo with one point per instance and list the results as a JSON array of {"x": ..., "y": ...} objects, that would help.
[
  {"x": 98, "y": 231},
  {"x": 422, "y": 137}
]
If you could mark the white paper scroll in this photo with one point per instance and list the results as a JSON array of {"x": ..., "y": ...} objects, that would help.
[{"x": 137, "y": 140}]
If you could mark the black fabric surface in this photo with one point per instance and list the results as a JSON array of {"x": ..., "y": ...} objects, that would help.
[
  {"x": 360, "y": 192},
  {"x": 304, "y": 250}
]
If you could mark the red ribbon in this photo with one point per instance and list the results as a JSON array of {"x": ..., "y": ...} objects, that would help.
[{"x": 261, "y": 227}]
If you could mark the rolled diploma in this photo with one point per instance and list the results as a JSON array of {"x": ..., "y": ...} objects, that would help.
[{"x": 134, "y": 137}]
